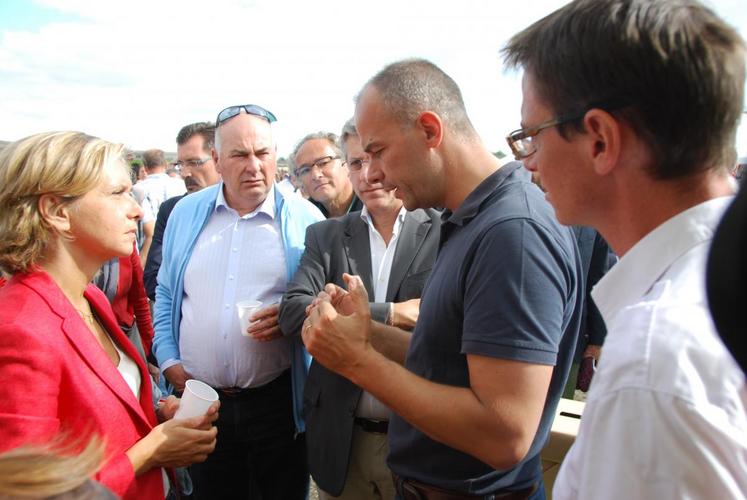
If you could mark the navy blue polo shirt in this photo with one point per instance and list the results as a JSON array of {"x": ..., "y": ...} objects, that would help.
[{"x": 507, "y": 284}]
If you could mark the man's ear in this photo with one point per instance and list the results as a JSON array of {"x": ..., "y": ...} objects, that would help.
[
  {"x": 214, "y": 154},
  {"x": 604, "y": 140},
  {"x": 55, "y": 212},
  {"x": 432, "y": 127}
]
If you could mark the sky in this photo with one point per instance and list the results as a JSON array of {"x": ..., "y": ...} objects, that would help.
[{"x": 135, "y": 72}]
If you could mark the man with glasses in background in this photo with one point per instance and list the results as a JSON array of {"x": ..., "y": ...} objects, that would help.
[
  {"x": 194, "y": 144},
  {"x": 630, "y": 111},
  {"x": 393, "y": 251},
  {"x": 239, "y": 240},
  {"x": 318, "y": 164}
]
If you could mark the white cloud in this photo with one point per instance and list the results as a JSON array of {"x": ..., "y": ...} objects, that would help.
[{"x": 135, "y": 72}]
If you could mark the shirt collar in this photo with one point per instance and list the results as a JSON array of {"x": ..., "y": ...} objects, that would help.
[
  {"x": 644, "y": 264},
  {"x": 470, "y": 207},
  {"x": 397, "y": 223},
  {"x": 266, "y": 207}
]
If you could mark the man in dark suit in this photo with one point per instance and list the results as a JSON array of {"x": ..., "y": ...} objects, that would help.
[
  {"x": 392, "y": 250},
  {"x": 596, "y": 259},
  {"x": 193, "y": 145}
]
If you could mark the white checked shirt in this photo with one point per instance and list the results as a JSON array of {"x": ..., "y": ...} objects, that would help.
[
  {"x": 665, "y": 416},
  {"x": 154, "y": 190}
]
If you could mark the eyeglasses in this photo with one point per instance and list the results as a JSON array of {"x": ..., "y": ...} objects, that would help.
[
  {"x": 192, "y": 163},
  {"x": 521, "y": 141},
  {"x": 356, "y": 164},
  {"x": 251, "y": 109},
  {"x": 322, "y": 163}
]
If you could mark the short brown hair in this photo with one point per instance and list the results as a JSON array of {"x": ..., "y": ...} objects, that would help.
[
  {"x": 671, "y": 68},
  {"x": 154, "y": 158},
  {"x": 66, "y": 164},
  {"x": 206, "y": 130},
  {"x": 413, "y": 86}
]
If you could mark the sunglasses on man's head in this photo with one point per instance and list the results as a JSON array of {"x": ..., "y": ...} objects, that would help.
[{"x": 251, "y": 109}]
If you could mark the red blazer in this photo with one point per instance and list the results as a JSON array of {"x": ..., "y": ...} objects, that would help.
[{"x": 55, "y": 378}]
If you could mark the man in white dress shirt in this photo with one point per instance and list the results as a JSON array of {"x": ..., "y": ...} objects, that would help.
[
  {"x": 629, "y": 115},
  {"x": 156, "y": 188},
  {"x": 237, "y": 240}
]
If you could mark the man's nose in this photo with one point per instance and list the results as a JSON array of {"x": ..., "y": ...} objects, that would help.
[{"x": 371, "y": 172}]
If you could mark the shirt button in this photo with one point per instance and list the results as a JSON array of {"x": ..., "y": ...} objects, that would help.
[
  {"x": 235, "y": 249},
  {"x": 230, "y": 276},
  {"x": 226, "y": 306}
]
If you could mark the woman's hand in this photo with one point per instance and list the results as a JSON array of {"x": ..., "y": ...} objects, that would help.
[{"x": 176, "y": 443}]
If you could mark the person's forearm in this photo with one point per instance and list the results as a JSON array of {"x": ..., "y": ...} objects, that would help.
[
  {"x": 451, "y": 415},
  {"x": 140, "y": 455},
  {"x": 390, "y": 341}
]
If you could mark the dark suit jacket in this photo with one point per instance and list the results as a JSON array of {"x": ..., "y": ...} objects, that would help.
[
  {"x": 57, "y": 379},
  {"x": 596, "y": 259},
  {"x": 153, "y": 263},
  {"x": 334, "y": 247}
]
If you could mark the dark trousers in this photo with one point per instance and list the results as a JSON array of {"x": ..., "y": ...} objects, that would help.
[{"x": 257, "y": 455}]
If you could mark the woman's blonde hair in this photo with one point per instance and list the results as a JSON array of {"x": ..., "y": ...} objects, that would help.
[
  {"x": 43, "y": 472},
  {"x": 66, "y": 164}
]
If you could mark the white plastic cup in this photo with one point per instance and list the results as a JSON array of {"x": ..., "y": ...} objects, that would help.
[
  {"x": 196, "y": 399},
  {"x": 245, "y": 308}
]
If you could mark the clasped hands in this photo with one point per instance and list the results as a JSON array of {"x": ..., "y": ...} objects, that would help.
[{"x": 337, "y": 327}]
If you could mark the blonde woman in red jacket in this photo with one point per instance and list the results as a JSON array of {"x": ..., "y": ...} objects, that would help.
[{"x": 65, "y": 365}]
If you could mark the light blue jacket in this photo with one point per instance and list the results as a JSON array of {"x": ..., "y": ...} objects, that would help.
[{"x": 185, "y": 225}]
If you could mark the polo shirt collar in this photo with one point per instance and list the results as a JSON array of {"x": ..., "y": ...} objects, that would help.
[{"x": 470, "y": 207}]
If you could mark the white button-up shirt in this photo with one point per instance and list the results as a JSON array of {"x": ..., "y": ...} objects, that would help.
[
  {"x": 382, "y": 256},
  {"x": 665, "y": 416},
  {"x": 235, "y": 258}
]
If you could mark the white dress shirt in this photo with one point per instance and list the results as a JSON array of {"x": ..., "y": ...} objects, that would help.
[
  {"x": 665, "y": 416},
  {"x": 154, "y": 190},
  {"x": 235, "y": 258},
  {"x": 382, "y": 256}
]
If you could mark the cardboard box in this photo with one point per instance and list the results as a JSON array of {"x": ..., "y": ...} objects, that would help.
[{"x": 563, "y": 433}]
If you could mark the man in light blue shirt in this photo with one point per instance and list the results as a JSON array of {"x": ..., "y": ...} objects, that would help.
[{"x": 239, "y": 240}]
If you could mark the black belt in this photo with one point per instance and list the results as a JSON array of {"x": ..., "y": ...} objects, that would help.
[
  {"x": 409, "y": 489},
  {"x": 234, "y": 392},
  {"x": 376, "y": 426},
  {"x": 237, "y": 392}
]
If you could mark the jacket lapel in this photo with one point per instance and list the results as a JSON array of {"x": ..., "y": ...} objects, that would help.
[
  {"x": 91, "y": 353},
  {"x": 144, "y": 407},
  {"x": 357, "y": 249},
  {"x": 412, "y": 234}
]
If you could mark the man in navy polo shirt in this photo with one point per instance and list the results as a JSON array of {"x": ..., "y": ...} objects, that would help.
[{"x": 499, "y": 315}]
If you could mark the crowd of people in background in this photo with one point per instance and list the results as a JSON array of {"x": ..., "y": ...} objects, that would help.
[{"x": 422, "y": 305}]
